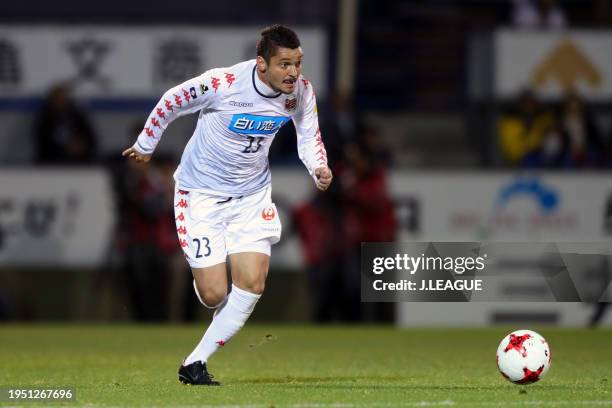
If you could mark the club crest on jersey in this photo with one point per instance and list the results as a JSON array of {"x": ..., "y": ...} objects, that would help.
[
  {"x": 290, "y": 103},
  {"x": 268, "y": 213}
]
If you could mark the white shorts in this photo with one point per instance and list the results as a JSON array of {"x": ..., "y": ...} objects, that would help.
[{"x": 210, "y": 227}]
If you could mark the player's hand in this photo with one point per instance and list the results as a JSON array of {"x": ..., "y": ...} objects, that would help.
[
  {"x": 133, "y": 153},
  {"x": 324, "y": 178}
]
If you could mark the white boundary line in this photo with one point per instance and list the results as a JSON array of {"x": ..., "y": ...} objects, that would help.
[{"x": 425, "y": 404}]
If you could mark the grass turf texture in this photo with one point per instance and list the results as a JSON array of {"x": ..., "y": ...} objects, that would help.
[{"x": 334, "y": 366}]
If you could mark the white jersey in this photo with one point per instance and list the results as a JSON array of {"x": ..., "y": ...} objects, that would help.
[{"x": 238, "y": 118}]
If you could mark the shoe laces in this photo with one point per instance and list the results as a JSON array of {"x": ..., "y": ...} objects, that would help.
[{"x": 207, "y": 374}]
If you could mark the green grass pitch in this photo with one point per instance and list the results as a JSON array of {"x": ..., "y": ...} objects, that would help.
[{"x": 301, "y": 366}]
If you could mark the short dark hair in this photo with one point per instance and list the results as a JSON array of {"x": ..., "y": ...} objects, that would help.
[{"x": 273, "y": 37}]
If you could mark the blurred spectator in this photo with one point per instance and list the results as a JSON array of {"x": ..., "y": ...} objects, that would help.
[
  {"x": 369, "y": 216},
  {"x": 357, "y": 208},
  {"x": 585, "y": 144},
  {"x": 523, "y": 129},
  {"x": 319, "y": 225},
  {"x": 552, "y": 152},
  {"x": 571, "y": 140},
  {"x": 373, "y": 141},
  {"x": 368, "y": 208},
  {"x": 538, "y": 14},
  {"x": 153, "y": 270},
  {"x": 63, "y": 133},
  {"x": 343, "y": 110},
  {"x": 338, "y": 124},
  {"x": 142, "y": 213}
]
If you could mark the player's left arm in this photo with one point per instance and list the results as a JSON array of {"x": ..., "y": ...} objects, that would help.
[{"x": 311, "y": 148}]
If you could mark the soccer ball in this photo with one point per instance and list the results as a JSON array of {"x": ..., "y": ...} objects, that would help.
[{"x": 523, "y": 357}]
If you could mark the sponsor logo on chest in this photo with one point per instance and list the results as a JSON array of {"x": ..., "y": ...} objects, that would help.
[{"x": 248, "y": 124}]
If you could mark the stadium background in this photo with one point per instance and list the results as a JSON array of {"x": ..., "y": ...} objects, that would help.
[{"x": 419, "y": 102}]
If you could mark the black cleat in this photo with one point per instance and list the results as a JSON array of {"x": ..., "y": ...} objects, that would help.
[{"x": 196, "y": 374}]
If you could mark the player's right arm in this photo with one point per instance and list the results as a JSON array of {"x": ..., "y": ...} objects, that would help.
[{"x": 189, "y": 97}]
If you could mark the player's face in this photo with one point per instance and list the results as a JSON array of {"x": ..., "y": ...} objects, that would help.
[{"x": 282, "y": 73}]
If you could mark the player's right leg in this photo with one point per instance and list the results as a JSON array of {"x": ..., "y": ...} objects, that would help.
[
  {"x": 199, "y": 222},
  {"x": 210, "y": 285}
]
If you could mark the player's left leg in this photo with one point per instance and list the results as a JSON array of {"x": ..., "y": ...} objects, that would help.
[{"x": 249, "y": 271}]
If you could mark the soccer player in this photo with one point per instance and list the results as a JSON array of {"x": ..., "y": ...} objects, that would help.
[{"x": 223, "y": 205}]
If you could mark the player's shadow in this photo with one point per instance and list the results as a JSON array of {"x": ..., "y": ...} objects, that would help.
[
  {"x": 309, "y": 380},
  {"x": 363, "y": 382}
]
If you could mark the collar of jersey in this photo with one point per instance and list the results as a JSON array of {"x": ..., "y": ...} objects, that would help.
[{"x": 257, "y": 90}]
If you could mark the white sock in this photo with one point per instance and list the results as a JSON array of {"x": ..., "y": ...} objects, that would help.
[{"x": 226, "y": 323}]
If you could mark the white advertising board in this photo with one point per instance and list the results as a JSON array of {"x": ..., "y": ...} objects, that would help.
[
  {"x": 55, "y": 217},
  {"x": 132, "y": 62},
  {"x": 553, "y": 62}
]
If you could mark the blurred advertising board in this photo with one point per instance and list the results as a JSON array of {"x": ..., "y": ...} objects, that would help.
[
  {"x": 506, "y": 207},
  {"x": 503, "y": 206},
  {"x": 131, "y": 62},
  {"x": 554, "y": 62},
  {"x": 55, "y": 217}
]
